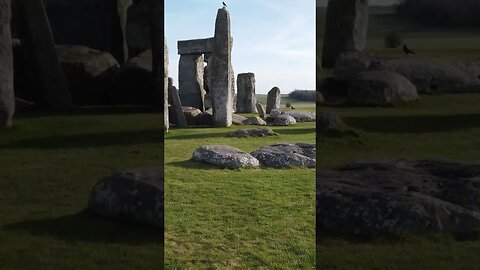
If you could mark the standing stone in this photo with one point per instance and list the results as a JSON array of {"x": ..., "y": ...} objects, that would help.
[
  {"x": 7, "y": 98},
  {"x": 190, "y": 77},
  {"x": 221, "y": 87},
  {"x": 176, "y": 106},
  {"x": 273, "y": 99},
  {"x": 246, "y": 99},
  {"x": 137, "y": 28},
  {"x": 261, "y": 110},
  {"x": 165, "y": 85},
  {"x": 54, "y": 92},
  {"x": 346, "y": 27}
]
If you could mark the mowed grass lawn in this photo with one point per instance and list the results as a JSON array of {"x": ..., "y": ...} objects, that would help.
[
  {"x": 237, "y": 219},
  {"x": 48, "y": 166}
]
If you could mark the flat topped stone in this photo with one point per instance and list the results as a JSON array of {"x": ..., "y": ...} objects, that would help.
[
  {"x": 225, "y": 156},
  {"x": 399, "y": 196},
  {"x": 302, "y": 116},
  {"x": 195, "y": 46},
  {"x": 132, "y": 195},
  {"x": 287, "y": 155},
  {"x": 256, "y": 132}
]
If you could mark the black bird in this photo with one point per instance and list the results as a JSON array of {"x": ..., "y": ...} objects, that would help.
[
  {"x": 406, "y": 50},
  {"x": 224, "y": 5}
]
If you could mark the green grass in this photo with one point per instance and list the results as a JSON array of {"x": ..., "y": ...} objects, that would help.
[
  {"x": 298, "y": 104},
  {"x": 240, "y": 219},
  {"x": 49, "y": 164}
]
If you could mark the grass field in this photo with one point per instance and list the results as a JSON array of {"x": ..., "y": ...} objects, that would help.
[
  {"x": 241, "y": 219},
  {"x": 437, "y": 127},
  {"x": 49, "y": 164}
]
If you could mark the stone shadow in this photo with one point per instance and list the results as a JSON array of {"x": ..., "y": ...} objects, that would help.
[
  {"x": 414, "y": 123},
  {"x": 88, "y": 140},
  {"x": 294, "y": 131},
  {"x": 87, "y": 227},
  {"x": 190, "y": 164}
]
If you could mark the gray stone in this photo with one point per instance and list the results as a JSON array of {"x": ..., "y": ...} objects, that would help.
[
  {"x": 132, "y": 83},
  {"x": 190, "y": 79},
  {"x": 261, "y": 110},
  {"x": 96, "y": 24},
  {"x": 225, "y": 156},
  {"x": 346, "y": 27},
  {"x": 176, "y": 106},
  {"x": 331, "y": 125},
  {"x": 192, "y": 115},
  {"x": 137, "y": 29},
  {"x": 273, "y": 99},
  {"x": 372, "y": 198},
  {"x": 246, "y": 98},
  {"x": 134, "y": 195},
  {"x": 196, "y": 46},
  {"x": 7, "y": 97},
  {"x": 35, "y": 28},
  {"x": 284, "y": 120},
  {"x": 238, "y": 119},
  {"x": 220, "y": 71},
  {"x": 254, "y": 120},
  {"x": 381, "y": 88},
  {"x": 257, "y": 132},
  {"x": 302, "y": 116},
  {"x": 166, "y": 121},
  {"x": 287, "y": 155},
  {"x": 88, "y": 73}
]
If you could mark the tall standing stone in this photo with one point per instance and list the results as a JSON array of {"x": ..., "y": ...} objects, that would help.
[
  {"x": 176, "y": 106},
  {"x": 221, "y": 81},
  {"x": 190, "y": 77},
  {"x": 246, "y": 99},
  {"x": 41, "y": 46},
  {"x": 7, "y": 98},
  {"x": 346, "y": 27},
  {"x": 273, "y": 99},
  {"x": 166, "y": 122}
]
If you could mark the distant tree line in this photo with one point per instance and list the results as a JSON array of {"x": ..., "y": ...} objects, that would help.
[
  {"x": 442, "y": 12},
  {"x": 303, "y": 95}
]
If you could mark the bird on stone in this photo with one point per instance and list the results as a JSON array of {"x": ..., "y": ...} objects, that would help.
[
  {"x": 224, "y": 5},
  {"x": 406, "y": 50}
]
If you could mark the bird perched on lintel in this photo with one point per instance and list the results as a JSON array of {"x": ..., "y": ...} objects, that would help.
[
  {"x": 224, "y": 5},
  {"x": 406, "y": 50}
]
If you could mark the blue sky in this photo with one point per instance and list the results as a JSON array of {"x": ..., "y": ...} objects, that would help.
[{"x": 275, "y": 39}]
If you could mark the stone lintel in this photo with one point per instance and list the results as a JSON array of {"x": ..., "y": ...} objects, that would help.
[{"x": 195, "y": 46}]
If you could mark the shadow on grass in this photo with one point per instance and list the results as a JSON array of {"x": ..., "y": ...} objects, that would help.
[
  {"x": 90, "y": 110},
  {"x": 89, "y": 140},
  {"x": 414, "y": 124},
  {"x": 87, "y": 227},
  {"x": 190, "y": 164},
  {"x": 294, "y": 131},
  {"x": 200, "y": 135}
]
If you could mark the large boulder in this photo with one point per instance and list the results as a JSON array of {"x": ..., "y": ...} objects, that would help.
[
  {"x": 133, "y": 195},
  {"x": 393, "y": 197},
  {"x": 225, "y": 156},
  {"x": 331, "y": 125},
  {"x": 301, "y": 116},
  {"x": 256, "y": 132},
  {"x": 287, "y": 155},
  {"x": 284, "y": 120},
  {"x": 254, "y": 120},
  {"x": 238, "y": 119},
  {"x": 381, "y": 88},
  {"x": 7, "y": 97},
  {"x": 132, "y": 83},
  {"x": 137, "y": 29},
  {"x": 88, "y": 73}
]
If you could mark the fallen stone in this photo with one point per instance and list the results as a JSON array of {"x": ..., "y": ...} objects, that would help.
[
  {"x": 254, "y": 120},
  {"x": 287, "y": 155},
  {"x": 238, "y": 119},
  {"x": 225, "y": 156},
  {"x": 257, "y": 132},
  {"x": 284, "y": 120},
  {"x": 302, "y": 116},
  {"x": 133, "y": 195}
]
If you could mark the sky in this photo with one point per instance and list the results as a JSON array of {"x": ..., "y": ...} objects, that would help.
[
  {"x": 275, "y": 39},
  {"x": 371, "y": 2}
]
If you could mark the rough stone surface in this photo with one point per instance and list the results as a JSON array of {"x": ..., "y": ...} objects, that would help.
[
  {"x": 287, "y": 155},
  {"x": 246, "y": 97},
  {"x": 137, "y": 28},
  {"x": 132, "y": 83},
  {"x": 176, "y": 106},
  {"x": 190, "y": 79},
  {"x": 284, "y": 120},
  {"x": 331, "y": 125},
  {"x": 53, "y": 92},
  {"x": 95, "y": 24},
  {"x": 133, "y": 195},
  {"x": 238, "y": 119},
  {"x": 257, "y": 132},
  {"x": 273, "y": 99},
  {"x": 302, "y": 116},
  {"x": 261, "y": 110},
  {"x": 346, "y": 27},
  {"x": 381, "y": 88},
  {"x": 254, "y": 120},
  {"x": 225, "y": 156},
  {"x": 195, "y": 46},
  {"x": 88, "y": 73},
  {"x": 177, "y": 110},
  {"x": 191, "y": 115},
  {"x": 7, "y": 97},
  {"x": 394, "y": 197},
  {"x": 220, "y": 71}
]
